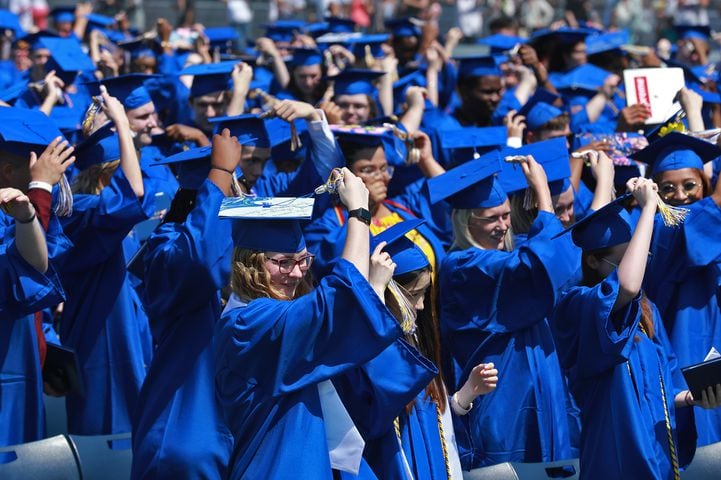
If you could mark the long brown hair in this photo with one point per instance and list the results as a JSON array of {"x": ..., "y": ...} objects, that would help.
[
  {"x": 250, "y": 279},
  {"x": 591, "y": 278},
  {"x": 93, "y": 179},
  {"x": 427, "y": 338}
]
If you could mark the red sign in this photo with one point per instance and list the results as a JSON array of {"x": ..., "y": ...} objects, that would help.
[{"x": 641, "y": 85}]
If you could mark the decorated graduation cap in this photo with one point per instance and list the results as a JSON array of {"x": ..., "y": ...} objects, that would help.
[
  {"x": 66, "y": 58},
  {"x": 499, "y": 43},
  {"x": 552, "y": 154},
  {"x": 405, "y": 254},
  {"x": 478, "y": 66},
  {"x": 675, "y": 151},
  {"x": 404, "y": 27},
  {"x": 394, "y": 148},
  {"x": 353, "y": 81},
  {"x": 23, "y": 131},
  {"x": 100, "y": 147},
  {"x": 63, "y": 14},
  {"x": 470, "y": 185},
  {"x": 467, "y": 143},
  {"x": 248, "y": 128},
  {"x": 129, "y": 89},
  {"x": 305, "y": 57},
  {"x": 606, "y": 42},
  {"x": 687, "y": 32},
  {"x": 539, "y": 109},
  {"x": 340, "y": 25},
  {"x": 606, "y": 227},
  {"x": 209, "y": 77}
]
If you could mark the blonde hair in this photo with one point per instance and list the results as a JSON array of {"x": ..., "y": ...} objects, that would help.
[
  {"x": 93, "y": 179},
  {"x": 521, "y": 219},
  {"x": 250, "y": 279},
  {"x": 462, "y": 238}
]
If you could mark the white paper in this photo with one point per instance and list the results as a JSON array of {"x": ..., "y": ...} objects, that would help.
[
  {"x": 656, "y": 87},
  {"x": 713, "y": 353},
  {"x": 276, "y": 208}
]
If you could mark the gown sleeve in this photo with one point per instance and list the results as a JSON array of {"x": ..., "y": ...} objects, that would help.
[
  {"x": 325, "y": 238},
  {"x": 285, "y": 346}
]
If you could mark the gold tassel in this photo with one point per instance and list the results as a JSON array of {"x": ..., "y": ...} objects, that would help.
[
  {"x": 672, "y": 216},
  {"x": 90, "y": 114},
  {"x": 408, "y": 313}
]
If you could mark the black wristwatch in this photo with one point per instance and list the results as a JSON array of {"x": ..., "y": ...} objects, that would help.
[{"x": 361, "y": 214}]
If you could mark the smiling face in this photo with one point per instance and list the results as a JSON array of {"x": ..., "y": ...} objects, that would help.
[
  {"x": 142, "y": 121},
  {"x": 488, "y": 226},
  {"x": 680, "y": 187},
  {"x": 287, "y": 270},
  {"x": 356, "y": 108}
]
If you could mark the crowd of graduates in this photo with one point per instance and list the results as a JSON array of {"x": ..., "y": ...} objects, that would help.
[{"x": 500, "y": 260}]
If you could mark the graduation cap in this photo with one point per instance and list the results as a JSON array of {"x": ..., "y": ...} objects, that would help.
[
  {"x": 687, "y": 32},
  {"x": 394, "y": 148},
  {"x": 539, "y": 109},
  {"x": 283, "y": 30},
  {"x": 63, "y": 14},
  {"x": 606, "y": 227},
  {"x": 405, "y": 254},
  {"x": 10, "y": 21},
  {"x": 129, "y": 89},
  {"x": 305, "y": 57},
  {"x": 100, "y": 147},
  {"x": 415, "y": 79},
  {"x": 33, "y": 39},
  {"x": 374, "y": 42},
  {"x": 353, "y": 81},
  {"x": 23, "y": 131},
  {"x": 404, "y": 27},
  {"x": 585, "y": 79},
  {"x": 66, "y": 58},
  {"x": 281, "y": 139},
  {"x": 340, "y": 25},
  {"x": 552, "y": 154},
  {"x": 470, "y": 185},
  {"x": 467, "y": 143},
  {"x": 221, "y": 37},
  {"x": 192, "y": 166},
  {"x": 209, "y": 77},
  {"x": 607, "y": 42},
  {"x": 317, "y": 29},
  {"x": 249, "y": 128},
  {"x": 478, "y": 66},
  {"x": 567, "y": 35},
  {"x": 675, "y": 151},
  {"x": 97, "y": 21},
  {"x": 141, "y": 47},
  {"x": 499, "y": 43}
]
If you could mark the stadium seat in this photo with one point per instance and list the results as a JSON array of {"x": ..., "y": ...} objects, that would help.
[
  {"x": 48, "y": 459},
  {"x": 706, "y": 464},
  {"x": 107, "y": 457},
  {"x": 567, "y": 469}
]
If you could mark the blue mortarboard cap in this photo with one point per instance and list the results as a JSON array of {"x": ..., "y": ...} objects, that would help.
[
  {"x": 394, "y": 148},
  {"x": 713, "y": 98},
  {"x": 283, "y": 30},
  {"x": 499, "y": 42},
  {"x": 478, "y": 66},
  {"x": 23, "y": 130},
  {"x": 283, "y": 236},
  {"x": 551, "y": 154},
  {"x": 10, "y": 21},
  {"x": 415, "y": 79},
  {"x": 584, "y": 79},
  {"x": 568, "y": 35},
  {"x": 67, "y": 55},
  {"x": 604, "y": 228},
  {"x": 141, "y": 47},
  {"x": 191, "y": 165},
  {"x": 63, "y": 14},
  {"x": 404, "y": 27},
  {"x": 305, "y": 57},
  {"x": 470, "y": 185},
  {"x": 221, "y": 37},
  {"x": 249, "y": 128},
  {"x": 99, "y": 21},
  {"x": 340, "y": 25},
  {"x": 129, "y": 89},
  {"x": 607, "y": 42},
  {"x": 209, "y": 77},
  {"x": 352, "y": 81},
  {"x": 33, "y": 39},
  {"x": 539, "y": 109},
  {"x": 686, "y": 32},
  {"x": 374, "y": 41},
  {"x": 675, "y": 151},
  {"x": 100, "y": 147},
  {"x": 317, "y": 29},
  {"x": 474, "y": 137},
  {"x": 405, "y": 254}
]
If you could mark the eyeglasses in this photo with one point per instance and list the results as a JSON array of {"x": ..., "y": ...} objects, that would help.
[
  {"x": 371, "y": 172},
  {"x": 287, "y": 265},
  {"x": 668, "y": 190}
]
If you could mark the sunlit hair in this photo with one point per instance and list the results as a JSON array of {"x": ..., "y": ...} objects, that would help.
[
  {"x": 462, "y": 238},
  {"x": 93, "y": 179},
  {"x": 521, "y": 219},
  {"x": 250, "y": 279},
  {"x": 556, "y": 123}
]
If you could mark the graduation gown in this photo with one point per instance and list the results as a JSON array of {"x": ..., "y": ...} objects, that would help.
[
  {"x": 178, "y": 428},
  {"x": 24, "y": 291},
  {"x": 494, "y": 308},
  {"x": 103, "y": 319},
  {"x": 270, "y": 357},
  {"x": 615, "y": 374},
  {"x": 684, "y": 280}
]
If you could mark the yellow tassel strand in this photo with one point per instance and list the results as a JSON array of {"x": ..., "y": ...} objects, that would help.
[{"x": 672, "y": 216}]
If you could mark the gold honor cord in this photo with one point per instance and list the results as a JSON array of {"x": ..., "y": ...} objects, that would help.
[{"x": 439, "y": 416}]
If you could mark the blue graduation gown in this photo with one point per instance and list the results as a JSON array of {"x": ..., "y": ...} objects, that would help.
[
  {"x": 494, "y": 308},
  {"x": 103, "y": 319},
  {"x": 269, "y": 357},
  {"x": 178, "y": 427},
  {"x": 684, "y": 280},
  {"x": 614, "y": 374},
  {"x": 24, "y": 291}
]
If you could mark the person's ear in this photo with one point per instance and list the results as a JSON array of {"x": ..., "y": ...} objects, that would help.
[{"x": 593, "y": 262}]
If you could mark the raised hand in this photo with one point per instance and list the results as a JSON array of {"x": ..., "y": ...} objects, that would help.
[
  {"x": 52, "y": 163},
  {"x": 381, "y": 269},
  {"x": 226, "y": 151}
]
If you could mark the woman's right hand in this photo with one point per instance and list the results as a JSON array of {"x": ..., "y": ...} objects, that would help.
[
  {"x": 113, "y": 108},
  {"x": 351, "y": 190},
  {"x": 644, "y": 190},
  {"x": 381, "y": 270},
  {"x": 16, "y": 204}
]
